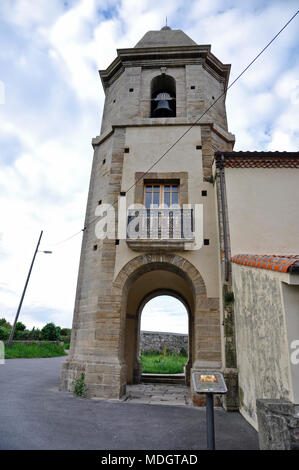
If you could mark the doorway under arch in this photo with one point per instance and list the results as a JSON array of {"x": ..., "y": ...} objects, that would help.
[
  {"x": 162, "y": 281},
  {"x": 164, "y": 329}
]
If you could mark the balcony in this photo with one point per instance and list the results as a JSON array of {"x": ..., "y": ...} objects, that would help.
[{"x": 160, "y": 229}]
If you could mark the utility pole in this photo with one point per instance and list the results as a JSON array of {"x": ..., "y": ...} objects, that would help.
[{"x": 24, "y": 291}]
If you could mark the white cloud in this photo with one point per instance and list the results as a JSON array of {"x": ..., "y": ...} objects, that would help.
[
  {"x": 28, "y": 14},
  {"x": 164, "y": 313}
]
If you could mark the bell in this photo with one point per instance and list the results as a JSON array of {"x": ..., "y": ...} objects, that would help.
[{"x": 163, "y": 109}]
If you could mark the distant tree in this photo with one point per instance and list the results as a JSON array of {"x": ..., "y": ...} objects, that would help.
[
  {"x": 4, "y": 333},
  {"x": 20, "y": 326},
  {"x": 50, "y": 333},
  {"x": 22, "y": 334},
  {"x": 5, "y": 324},
  {"x": 65, "y": 331},
  {"x": 35, "y": 334}
]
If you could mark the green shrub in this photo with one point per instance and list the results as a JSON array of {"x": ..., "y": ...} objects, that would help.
[
  {"x": 79, "y": 385},
  {"x": 65, "y": 332},
  {"x": 65, "y": 339},
  {"x": 20, "y": 326},
  {"x": 22, "y": 335},
  {"x": 50, "y": 332},
  {"x": 4, "y": 333},
  {"x": 35, "y": 334}
]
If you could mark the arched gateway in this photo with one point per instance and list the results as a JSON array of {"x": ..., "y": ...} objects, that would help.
[
  {"x": 145, "y": 277},
  {"x": 170, "y": 241},
  {"x": 139, "y": 280}
]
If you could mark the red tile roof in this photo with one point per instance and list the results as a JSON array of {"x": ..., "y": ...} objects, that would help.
[
  {"x": 258, "y": 159},
  {"x": 283, "y": 264}
]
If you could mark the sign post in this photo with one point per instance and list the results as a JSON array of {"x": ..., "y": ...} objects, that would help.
[{"x": 209, "y": 383}]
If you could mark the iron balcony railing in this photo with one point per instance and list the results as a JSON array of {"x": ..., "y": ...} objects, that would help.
[{"x": 161, "y": 224}]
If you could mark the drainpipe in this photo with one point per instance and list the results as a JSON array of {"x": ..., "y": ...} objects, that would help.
[{"x": 221, "y": 169}]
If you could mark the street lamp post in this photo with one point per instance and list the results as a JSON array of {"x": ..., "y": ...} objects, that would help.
[{"x": 24, "y": 291}]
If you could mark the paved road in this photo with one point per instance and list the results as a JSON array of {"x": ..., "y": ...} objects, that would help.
[{"x": 35, "y": 415}]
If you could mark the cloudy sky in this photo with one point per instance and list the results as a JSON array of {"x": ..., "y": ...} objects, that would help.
[
  {"x": 164, "y": 313},
  {"x": 51, "y": 103}
]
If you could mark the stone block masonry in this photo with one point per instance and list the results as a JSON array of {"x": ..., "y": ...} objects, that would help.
[
  {"x": 158, "y": 341},
  {"x": 278, "y": 424}
]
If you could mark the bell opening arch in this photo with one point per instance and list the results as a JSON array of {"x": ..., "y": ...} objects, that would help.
[{"x": 163, "y": 96}]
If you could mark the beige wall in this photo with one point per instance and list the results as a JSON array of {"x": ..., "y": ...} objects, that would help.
[
  {"x": 263, "y": 210},
  {"x": 146, "y": 145},
  {"x": 263, "y": 319}
]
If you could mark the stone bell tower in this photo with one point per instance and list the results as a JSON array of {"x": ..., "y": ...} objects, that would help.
[{"x": 154, "y": 92}]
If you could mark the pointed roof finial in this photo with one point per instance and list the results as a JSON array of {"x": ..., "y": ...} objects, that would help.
[{"x": 166, "y": 26}]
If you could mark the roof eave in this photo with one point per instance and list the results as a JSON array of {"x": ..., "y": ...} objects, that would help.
[{"x": 136, "y": 55}]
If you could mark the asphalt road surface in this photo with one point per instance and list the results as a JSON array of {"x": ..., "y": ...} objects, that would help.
[{"x": 35, "y": 415}]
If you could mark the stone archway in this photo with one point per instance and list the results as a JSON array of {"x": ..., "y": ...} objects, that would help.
[
  {"x": 100, "y": 334},
  {"x": 138, "y": 279}
]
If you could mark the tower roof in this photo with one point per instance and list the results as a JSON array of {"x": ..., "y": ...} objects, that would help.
[
  {"x": 164, "y": 38},
  {"x": 163, "y": 48}
]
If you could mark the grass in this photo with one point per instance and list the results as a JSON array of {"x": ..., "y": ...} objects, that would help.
[
  {"x": 160, "y": 364},
  {"x": 31, "y": 350}
]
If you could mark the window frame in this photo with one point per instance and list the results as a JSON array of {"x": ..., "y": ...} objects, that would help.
[{"x": 162, "y": 186}]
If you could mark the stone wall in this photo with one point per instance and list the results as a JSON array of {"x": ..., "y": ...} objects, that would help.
[
  {"x": 278, "y": 423},
  {"x": 157, "y": 341},
  {"x": 261, "y": 338}
]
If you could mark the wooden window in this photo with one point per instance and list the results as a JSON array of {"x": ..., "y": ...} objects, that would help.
[{"x": 161, "y": 195}]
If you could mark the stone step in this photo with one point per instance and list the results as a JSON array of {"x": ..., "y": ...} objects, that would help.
[{"x": 163, "y": 378}]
